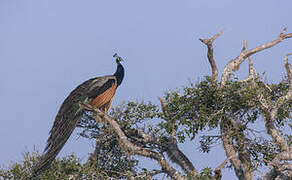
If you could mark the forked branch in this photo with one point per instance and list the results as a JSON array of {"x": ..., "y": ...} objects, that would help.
[
  {"x": 210, "y": 54},
  {"x": 234, "y": 64}
]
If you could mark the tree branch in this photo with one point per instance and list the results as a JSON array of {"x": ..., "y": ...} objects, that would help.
[
  {"x": 234, "y": 64},
  {"x": 145, "y": 175},
  {"x": 130, "y": 147},
  {"x": 271, "y": 111},
  {"x": 243, "y": 154},
  {"x": 178, "y": 157},
  {"x": 230, "y": 149},
  {"x": 279, "y": 169},
  {"x": 252, "y": 73},
  {"x": 173, "y": 152},
  {"x": 288, "y": 96},
  {"x": 218, "y": 173},
  {"x": 209, "y": 44}
]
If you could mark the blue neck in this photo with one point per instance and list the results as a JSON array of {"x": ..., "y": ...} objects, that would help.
[{"x": 119, "y": 74}]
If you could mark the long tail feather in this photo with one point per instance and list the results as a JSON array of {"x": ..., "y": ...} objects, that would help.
[{"x": 64, "y": 124}]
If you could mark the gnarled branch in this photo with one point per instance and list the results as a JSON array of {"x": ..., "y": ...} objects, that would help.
[
  {"x": 234, "y": 64},
  {"x": 209, "y": 44},
  {"x": 131, "y": 148}
]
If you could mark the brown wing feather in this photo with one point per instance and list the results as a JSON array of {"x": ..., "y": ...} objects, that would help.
[{"x": 105, "y": 98}]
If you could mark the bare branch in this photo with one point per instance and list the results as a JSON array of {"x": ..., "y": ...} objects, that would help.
[
  {"x": 288, "y": 96},
  {"x": 252, "y": 73},
  {"x": 173, "y": 152},
  {"x": 234, "y": 64},
  {"x": 209, "y": 44},
  {"x": 287, "y": 66}
]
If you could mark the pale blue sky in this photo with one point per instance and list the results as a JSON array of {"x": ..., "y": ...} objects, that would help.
[{"x": 48, "y": 47}]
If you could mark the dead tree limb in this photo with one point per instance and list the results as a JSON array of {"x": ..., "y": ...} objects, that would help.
[
  {"x": 210, "y": 54},
  {"x": 234, "y": 64}
]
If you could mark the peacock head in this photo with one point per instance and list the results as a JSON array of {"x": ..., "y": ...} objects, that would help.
[{"x": 118, "y": 58}]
